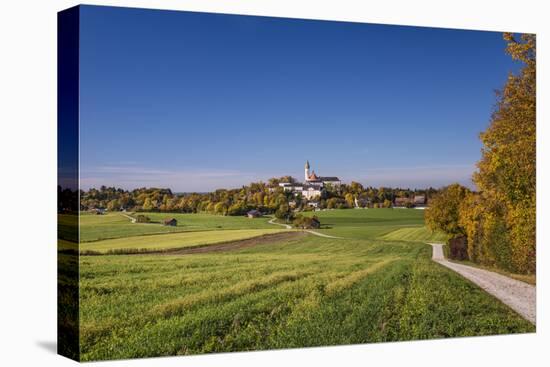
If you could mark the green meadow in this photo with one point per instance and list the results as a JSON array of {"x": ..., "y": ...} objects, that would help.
[
  {"x": 387, "y": 224},
  {"x": 376, "y": 284},
  {"x": 118, "y": 225},
  {"x": 415, "y": 234}
]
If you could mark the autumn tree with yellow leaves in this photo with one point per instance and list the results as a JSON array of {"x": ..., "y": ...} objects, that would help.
[
  {"x": 499, "y": 220},
  {"x": 506, "y": 175}
]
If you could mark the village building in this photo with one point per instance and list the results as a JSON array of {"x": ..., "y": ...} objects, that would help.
[
  {"x": 416, "y": 201},
  {"x": 171, "y": 222},
  {"x": 419, "y": 200},
  {"x": 401, "y": 202},
  {"x": 313, "y": 185},
  {"x": 313, "y": 204},
  {"x": 254, "y": 214}
]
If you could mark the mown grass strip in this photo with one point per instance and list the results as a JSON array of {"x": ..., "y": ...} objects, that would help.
[
  {"x": 417, "y": 234},
  {"x": 349, "y": 280}
]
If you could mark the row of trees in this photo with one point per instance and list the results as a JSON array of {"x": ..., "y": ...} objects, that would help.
[
  {"x": 266, "y": 197},
  {"x": 499, "y": 221}
]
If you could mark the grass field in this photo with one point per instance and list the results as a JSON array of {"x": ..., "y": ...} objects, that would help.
[
  {"x": 376, "y": 284},
  {"x": 174, "y": 240},
  {"x": 387, "y": 224},
  {"x": 116, "y": 225},
  {"x": 415, "y": 234},
  {"x": 63, "y": 245},
  {"x": 67, "y": 227},
  {"x": 303, "y": 292}
]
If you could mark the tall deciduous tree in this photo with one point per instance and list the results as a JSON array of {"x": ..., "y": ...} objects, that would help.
[{"x": 506, "y": 175}]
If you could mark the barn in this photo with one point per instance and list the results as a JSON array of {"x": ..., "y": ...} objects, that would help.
[{"x": 170, "y": 222}]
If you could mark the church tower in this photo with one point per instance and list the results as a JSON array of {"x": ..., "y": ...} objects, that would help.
[{"x": 307, "y": 171}]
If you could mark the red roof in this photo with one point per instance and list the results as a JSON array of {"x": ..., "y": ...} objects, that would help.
[{"x": 313, "y": 176}]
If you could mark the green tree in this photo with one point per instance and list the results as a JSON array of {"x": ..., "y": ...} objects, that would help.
[
  {"x": 147, "y": 205},
  {"x": 220, "y": 208},
  {"x": 356, "y": 188},
  {"x": 350, "y": 200},
  {"x": 443, "y": 213},
  {"x": 239, "y": 208},
  {"x": 284, "y": 212},
  {"x": 332, "y": 203}
]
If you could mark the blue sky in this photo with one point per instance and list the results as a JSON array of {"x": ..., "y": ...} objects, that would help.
[{"x": 196, "y": 101}]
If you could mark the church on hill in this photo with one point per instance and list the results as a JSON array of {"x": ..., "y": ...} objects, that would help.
[
  {"x": 316, "y": 180},
  {"x": 313, "y": 185}
]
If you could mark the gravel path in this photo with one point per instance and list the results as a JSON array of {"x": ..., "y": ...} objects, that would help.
[
  {"x": 133, "y": 220},
  {"x": 519, "y": 296},
  {"x": 279, "y": 224},
  {"x": 320, "y": 234}
]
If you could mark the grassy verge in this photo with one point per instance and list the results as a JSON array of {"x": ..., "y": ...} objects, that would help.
[{"x": 530, "y": 278}]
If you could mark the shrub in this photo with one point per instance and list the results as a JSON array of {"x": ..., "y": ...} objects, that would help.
[
  {"x": 306, "y": 222},
  {"x": 284, "y": 212},
  {"x": 238, "y": 208},
  {"x": 490, "y": 233},
  {"x": 471, "y": 212},
  {"x": 143, "y": 219},
  {"x": 496, "y": 240},
  {"x": 523, "y": 237},
  {"x": 443, "y": 213}
]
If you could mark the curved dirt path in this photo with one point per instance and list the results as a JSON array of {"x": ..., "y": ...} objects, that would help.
[
  {"x": 519, "y": 296},
  {"x": 132, "y": 219},
  {"x": 279, "y": 224},
  {"x": 320, "y": 234}
]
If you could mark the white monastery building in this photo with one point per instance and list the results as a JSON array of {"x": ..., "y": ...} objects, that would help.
[{"x": 313, "y": 185}]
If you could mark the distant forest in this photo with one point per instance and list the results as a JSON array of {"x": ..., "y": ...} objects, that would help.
[{"x": 266, "y": 197}]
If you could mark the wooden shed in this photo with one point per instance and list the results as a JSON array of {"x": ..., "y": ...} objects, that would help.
[{"x": 170, "y": 222}]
